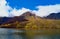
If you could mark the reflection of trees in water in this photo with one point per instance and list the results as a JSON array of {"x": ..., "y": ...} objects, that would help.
[
  {"x": 16, "y": 36},
  {"x": 26, "y": 35},
  {"x": 19, "y": 35},
  {"x": 30, "y": 34},
  {"x": 23, "y": 35}
]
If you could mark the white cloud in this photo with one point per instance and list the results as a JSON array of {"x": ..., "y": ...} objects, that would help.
[
  {"x": 4, "y": 8},
  {"x": 46, "y": 10},
  {"x": 16, "y": 12},
  {"x": 42, "y": 10}
]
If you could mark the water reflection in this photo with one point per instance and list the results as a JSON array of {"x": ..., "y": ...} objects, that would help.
[
  {"x": 47, "y": 37},
  {"x": 11, "y": 34}
]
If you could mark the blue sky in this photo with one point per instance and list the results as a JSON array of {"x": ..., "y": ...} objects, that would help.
[
  {"x": 41, "y": 8},
  {"x": 31, "y": 4}
]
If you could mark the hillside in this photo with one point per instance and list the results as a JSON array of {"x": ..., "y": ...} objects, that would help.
[
  {"x": 30, "y": 21},
  {"x": 54, "y": 16}
]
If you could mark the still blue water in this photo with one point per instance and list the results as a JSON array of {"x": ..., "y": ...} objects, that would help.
[{"x": 10, "y": 34}]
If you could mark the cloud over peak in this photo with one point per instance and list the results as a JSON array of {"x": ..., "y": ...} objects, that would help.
[
  {"x": 16, "y": 12},
  {"x": 6, "y": 10},
  {"x": 46, "y": 10}
]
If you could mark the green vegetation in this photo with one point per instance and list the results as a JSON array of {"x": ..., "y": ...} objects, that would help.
[{"x": 36, "y": 24}]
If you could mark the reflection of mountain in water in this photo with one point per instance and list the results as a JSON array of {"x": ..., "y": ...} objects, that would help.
[{"x": 24, "y": 35}]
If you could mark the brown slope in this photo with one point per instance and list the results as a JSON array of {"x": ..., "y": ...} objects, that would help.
[{"x": 23, "y": 19}]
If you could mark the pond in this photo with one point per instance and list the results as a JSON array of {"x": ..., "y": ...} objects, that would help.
[{"x": 20, "y": 34}]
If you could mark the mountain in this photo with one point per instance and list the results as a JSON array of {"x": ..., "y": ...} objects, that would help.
[
  {"x": 12, "y": 20},
  {"x": 28, "y": 14},
  {"x": 29, "y": 20},
  {"x": 54, "y": 16},
  {"x": 16, "y": 18}
]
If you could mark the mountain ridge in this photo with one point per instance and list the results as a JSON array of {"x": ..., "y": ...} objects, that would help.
[
  {"x": 54, "y": 16},
  {"x": 27, "y": 19}
]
